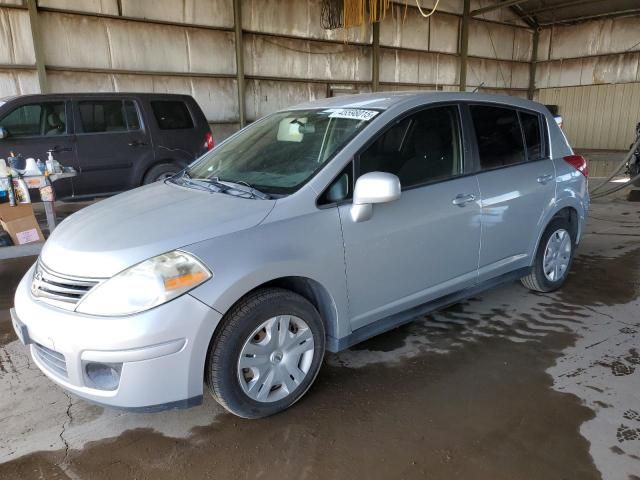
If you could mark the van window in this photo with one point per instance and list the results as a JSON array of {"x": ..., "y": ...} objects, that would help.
[
  {"x": 171, "y": 115},
  {"x": 422, "y": 148},
  {"x": 499, "y": 136},
  {"x": 102, "y": 116},
  {"x": 531, "y": 128},
  {"x": 36, "y": 119}
]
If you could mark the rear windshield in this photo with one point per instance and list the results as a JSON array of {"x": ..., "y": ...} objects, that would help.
[{"x": 171, "y": 114}]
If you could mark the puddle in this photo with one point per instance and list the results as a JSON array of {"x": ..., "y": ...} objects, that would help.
[{"x": 483, "y": 412}]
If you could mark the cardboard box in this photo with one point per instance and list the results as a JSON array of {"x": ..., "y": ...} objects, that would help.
[{"x": 20, "y": 223}]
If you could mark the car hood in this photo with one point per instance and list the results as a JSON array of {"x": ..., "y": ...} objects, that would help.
[{"x": 109, "y": 236}]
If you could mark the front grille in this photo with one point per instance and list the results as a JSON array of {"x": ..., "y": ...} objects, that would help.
[
  {"x": 59, "y": 290},
  {"x": 53, "y": 360}
]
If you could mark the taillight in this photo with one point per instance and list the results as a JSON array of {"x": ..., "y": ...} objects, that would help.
[
  {"x": 579, "y": 163},
  {"x": 208, "y": 141}
]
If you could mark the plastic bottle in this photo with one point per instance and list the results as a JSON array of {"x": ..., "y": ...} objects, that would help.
[
  {"x": 41, "y": 166},
  {"x": 50, "y": 162}
]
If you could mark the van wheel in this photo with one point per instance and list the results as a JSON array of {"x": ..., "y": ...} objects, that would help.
[
  {"x": 267, "y": 353},
  {"x": 160, "y": 172},
  {"x": 553, "y": 258}
]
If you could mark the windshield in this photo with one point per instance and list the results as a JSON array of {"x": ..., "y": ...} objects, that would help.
[{"x": 280, "y": 153}]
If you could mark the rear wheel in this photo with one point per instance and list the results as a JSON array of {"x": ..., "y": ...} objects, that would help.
[
  {"x": 161, "y": 172},
  {"x": 267, "y": 353},
  {"x": 553, "y": 258}
]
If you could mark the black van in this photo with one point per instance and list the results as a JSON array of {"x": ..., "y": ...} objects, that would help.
[{"x": 116, "y": 141}]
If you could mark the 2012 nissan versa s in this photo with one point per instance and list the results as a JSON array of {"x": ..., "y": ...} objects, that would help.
[{"x": 311, "y": 230}]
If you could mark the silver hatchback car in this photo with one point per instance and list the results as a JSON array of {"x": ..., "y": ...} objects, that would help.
[{"x": 313, "y": 229}]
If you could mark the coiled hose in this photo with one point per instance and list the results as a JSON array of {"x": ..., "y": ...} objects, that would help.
[{"x": 617, "y": 188}]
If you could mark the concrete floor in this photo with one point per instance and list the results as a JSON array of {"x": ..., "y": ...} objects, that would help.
[{"x": 509, "y": 385}]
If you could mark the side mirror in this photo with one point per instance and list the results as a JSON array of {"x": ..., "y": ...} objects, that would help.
[
  {"x": 4, "y": 133},
  {"x": 374, "y": 187}
]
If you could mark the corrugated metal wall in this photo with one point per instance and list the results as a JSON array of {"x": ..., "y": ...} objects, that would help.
[
  {"x": 592, "y": 72},
  {"x": 597, "y": 116},
  {"x": 188, "y": 46}
]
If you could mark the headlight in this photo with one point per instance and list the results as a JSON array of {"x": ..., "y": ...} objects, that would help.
[{"x": 145, "y": 285}]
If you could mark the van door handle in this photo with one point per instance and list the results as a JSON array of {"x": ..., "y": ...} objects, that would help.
[
  {"x": 461, "y": 200},
  {"x": 136, "y": 143},
  {"x": 58, "y": 149},
  {"x": 544, "y": 179}
]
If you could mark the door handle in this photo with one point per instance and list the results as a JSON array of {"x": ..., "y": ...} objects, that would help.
[
  {"x": 58, "y": 149},
  {"x": 461, "y": 200},
  {"x": 136, "y": 143},
  {"x": 544, "y": 179}
]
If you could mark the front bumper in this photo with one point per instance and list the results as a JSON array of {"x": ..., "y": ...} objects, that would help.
[{"x": 162, "y": 351}]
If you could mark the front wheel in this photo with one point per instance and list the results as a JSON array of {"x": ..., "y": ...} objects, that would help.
[
  {"x": 553, "y": 258},
  {"x": 267, "y": 353}
]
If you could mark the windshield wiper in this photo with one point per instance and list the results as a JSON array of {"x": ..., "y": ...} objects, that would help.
[{"x": 254, "y": 192}]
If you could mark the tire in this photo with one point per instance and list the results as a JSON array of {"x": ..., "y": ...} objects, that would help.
[
  {"x": 284, "y": 366},
  {"x": 160, "y": 172},
  {"x": 538, "y": 280}
]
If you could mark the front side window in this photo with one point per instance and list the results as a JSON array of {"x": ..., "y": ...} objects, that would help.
[
  {"x": 498, "y": 135},
  {"x": 36, "y": 119},
  {"x": 171, "y": 115},
  {"x": 280, "y": 153},
  {"x": 420, "y": 149},
  {"x": 102, "y": 116},
  {"x": 531, "y": 128}
]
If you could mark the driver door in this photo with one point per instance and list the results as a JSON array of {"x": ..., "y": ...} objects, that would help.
[
  {"x": 37, "y": 127},
  {"x": 421, "y": 246}
]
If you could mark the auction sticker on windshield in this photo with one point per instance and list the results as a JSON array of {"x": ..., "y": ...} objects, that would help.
[{"x": 354, "y": 113}]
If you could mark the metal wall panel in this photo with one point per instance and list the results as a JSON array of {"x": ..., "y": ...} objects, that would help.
[
  {"x": 444, "y": 33},
  {"x": 163, "y": 48},
  {"x": 216, "y": 96},
  {"x": 597, "y": 116},
  {"x": 16, "y": 43},
  {"x": 613, "y": 35},
  {"x": 18, "y": 82},
  {"x": 397, "y": 66},
  {"x": 498, "y": 74},
  {"x": 108, "y": 7},
  {"x": 296, "y": 18},
  {"x": 215, "y": 13},
  {"x": 266, "y": 96},
  {"x": 407, "y": 31},
  {"x": 293, "y": 58},
  {"x": 615, "y": 68}
]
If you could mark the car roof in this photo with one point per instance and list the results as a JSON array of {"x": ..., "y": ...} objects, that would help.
[{"x": 387, "y": 100}]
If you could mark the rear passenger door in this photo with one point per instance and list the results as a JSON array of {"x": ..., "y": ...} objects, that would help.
[
  {"x": 111, "y": 142},
  {"x": 517, "y": 182}
]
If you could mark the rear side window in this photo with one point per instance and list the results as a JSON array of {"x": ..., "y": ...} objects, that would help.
[
  {"x": 171, "y": 115},
  {"x": 102, "y": 116},
  {"x": 533, "y": 139},
  {"x": 36, "y": 119},
  {"x": 498, "y": 135}
]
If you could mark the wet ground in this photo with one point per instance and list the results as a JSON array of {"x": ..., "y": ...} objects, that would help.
[{"x": 509, "y": 385}]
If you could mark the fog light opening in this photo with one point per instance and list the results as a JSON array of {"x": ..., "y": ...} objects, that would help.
[{"x": 103, "y": 376}]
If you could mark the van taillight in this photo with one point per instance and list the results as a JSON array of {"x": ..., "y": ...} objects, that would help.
[
  {"x": 208, "y": 141},
  {"x": 579, "y": 163}
]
